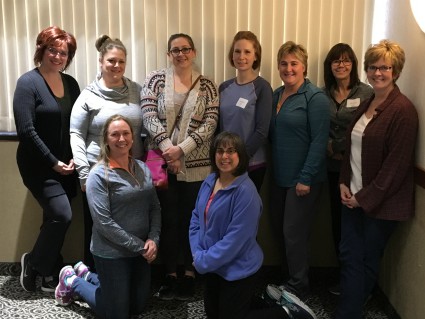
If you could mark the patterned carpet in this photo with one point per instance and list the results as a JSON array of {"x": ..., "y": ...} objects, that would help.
[{"x": 17, "y": 303}]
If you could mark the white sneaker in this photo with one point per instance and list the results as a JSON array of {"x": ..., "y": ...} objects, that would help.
[
  {"x": 297, "y": 308},
  {"x": 275, "y": 291}
]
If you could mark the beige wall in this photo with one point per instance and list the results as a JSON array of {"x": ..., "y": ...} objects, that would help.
[{"x": 403, "y": 273}]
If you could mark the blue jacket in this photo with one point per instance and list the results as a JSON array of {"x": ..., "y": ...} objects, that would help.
[
  {"x": 226, "y": 244},
  {"x": 299, "y": 136}
]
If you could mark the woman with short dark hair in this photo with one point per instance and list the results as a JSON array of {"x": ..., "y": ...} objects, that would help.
[{"x": 222, "y": 234}]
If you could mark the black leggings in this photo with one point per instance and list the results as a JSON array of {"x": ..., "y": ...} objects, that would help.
[
  {"x": 177, "y": 204},
  {"x": 45, "y": 256}
]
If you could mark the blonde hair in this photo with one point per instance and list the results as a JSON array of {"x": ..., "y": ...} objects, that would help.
[
  {"x": 104, "y": 148},
  {"x": 389, "y": 51},
  {"x": 298, "y": 50}
]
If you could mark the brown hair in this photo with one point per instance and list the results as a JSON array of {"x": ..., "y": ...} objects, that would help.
[
  {"x": 180, "y": 35},
  {"x": 104, "y": 43},
  {"x": 337, "y": 51},
  {"x": 233, "y": 140},
  {"x": 247, "y": 35},
  {"x": 54, "y": 36}
]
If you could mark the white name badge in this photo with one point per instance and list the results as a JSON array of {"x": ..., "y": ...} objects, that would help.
[
  {"x": 242, "y": 102},
  {"x": 353, "y": 102}
]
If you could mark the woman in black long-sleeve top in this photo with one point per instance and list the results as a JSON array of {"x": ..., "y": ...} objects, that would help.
[{"x": 42, "y": 107}]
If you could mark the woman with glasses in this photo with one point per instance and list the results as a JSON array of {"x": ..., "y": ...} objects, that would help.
[
  {"x": 223, "y": 232},
  {"x": 248, "y": 98},
  {"x": 180, "y": 113},
  {"x": 345, "y": 92},
  {"x": 299, "y": 133},
  {"x": 42, "y": 107},
  {"x": 110, "y": 93},
  {"x": 376, "y": 179}
]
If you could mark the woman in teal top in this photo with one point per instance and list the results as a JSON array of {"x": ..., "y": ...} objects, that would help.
[{"x": 299, "y": 134}]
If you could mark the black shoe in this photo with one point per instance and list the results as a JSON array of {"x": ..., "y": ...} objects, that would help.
[
  {"x": 28, "y": 274},
  {"x": 335, "y": 290},
  {"x": 168, "y": 289},
  {"x": 49, "y": 284},
  {"x": 185, "y": 288}
]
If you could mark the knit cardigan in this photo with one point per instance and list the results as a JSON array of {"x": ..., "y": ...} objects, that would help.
[{"x": 197, "y": 124}]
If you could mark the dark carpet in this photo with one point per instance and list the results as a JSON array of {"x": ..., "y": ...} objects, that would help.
[{"x": 17, "y": 303}]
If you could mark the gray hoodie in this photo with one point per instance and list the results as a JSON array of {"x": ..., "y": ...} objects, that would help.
[{"x": 92, "y": 108}]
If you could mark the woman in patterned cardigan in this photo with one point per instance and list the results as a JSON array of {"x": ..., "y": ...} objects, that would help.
[{"x": 185, "y": 148}]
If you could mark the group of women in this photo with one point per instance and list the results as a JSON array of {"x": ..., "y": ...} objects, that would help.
[{"x": 208, "y": 217}]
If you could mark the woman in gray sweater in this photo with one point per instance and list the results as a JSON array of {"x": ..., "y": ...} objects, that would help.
[
  {"x": 127, "y": 222},
  {"x": 110, "y": 93}
]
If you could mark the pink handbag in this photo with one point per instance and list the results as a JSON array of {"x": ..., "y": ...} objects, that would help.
[
  {"x": 153, "y": 158},
  {"x": 158, "y": 167}
]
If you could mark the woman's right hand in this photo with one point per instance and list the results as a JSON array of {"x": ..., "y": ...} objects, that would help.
[
  {"x": 345, "y": 193},
  {"x": 64, "y": 169}
]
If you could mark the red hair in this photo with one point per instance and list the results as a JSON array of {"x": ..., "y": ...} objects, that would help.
[{"x": 54, "y": 37}]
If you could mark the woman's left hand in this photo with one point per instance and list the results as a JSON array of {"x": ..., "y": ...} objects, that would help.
[
  {"x": 151, "y": 251},
  {"x": 302, "y": 190},
  {"x": 351, "y": 202},
  {"x": 174, "y": 167},
  {"x": 172, "y": 154}
]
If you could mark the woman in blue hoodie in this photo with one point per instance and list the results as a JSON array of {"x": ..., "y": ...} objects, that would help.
[{"x": 222, "y": 235}]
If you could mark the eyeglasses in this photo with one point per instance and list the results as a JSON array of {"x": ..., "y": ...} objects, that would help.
[
  {"x": 229, "y": 151},
  {"x": 382, "y": 68},
  {"x": 54, "y": 52},
  {"x": 344, "y": 62},
  {"x": 176, "y": 52}
]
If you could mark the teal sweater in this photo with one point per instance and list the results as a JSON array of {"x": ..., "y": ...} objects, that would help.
[{"x": 299, "y": 136}]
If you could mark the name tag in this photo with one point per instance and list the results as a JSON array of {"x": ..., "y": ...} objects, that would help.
[
  {"x": 242, "y": 102},
  {"x": 353, "y": 102}
]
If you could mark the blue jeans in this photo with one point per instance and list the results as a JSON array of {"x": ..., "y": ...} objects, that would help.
[
  {"x": 120, "y": 288},
  {"x": 363, "y": 241}
]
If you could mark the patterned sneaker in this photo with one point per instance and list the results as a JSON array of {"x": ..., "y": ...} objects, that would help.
[
  {"x": 81, "y": 270},
  {"x": 275, "y": 291},
  {"x": 28, "y": 274},
  {"x": 295, "y": 307},
  {"x": 63, "y": 292}
]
